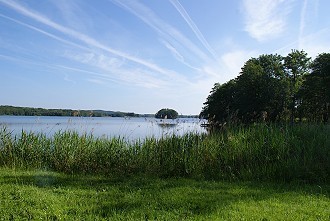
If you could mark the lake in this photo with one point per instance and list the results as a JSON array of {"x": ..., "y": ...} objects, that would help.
[{"x": 128, "y": 128}]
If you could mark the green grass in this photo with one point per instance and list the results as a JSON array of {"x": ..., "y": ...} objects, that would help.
[
  {"x": 256, "y": 152},
  {"x": 259, "y": 172},
  {"x": 44, "y": 195}
]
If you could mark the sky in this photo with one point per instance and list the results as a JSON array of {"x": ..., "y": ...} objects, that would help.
[{"x": 142, "y": 55}]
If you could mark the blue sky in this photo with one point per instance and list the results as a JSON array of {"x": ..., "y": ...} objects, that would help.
[{"x": 142, "y": 55}]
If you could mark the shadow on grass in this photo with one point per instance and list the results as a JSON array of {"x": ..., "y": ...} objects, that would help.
[{"x": 150, "y": 197}]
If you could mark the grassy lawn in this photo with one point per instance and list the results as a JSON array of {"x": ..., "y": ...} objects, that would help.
[{"x": 43, "y": 195}]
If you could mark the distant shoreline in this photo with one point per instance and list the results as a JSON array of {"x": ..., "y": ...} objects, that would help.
[{"x": 31, "y": 111}]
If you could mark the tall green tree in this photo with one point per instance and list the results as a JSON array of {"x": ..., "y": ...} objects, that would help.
[
  {"x": 250, "y": 103},
  {"x": 272, "y": 88},
  {"x": 315, "y": 92},
  {"x": 297, "y": 64},
  {"x": 262, "y": 89},
  {"x": 220, "y": 104},
  {"x": 258, "y": 93},
  {"x": 209, "y": 109}
]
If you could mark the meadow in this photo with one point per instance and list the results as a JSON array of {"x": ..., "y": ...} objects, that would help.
[
  {"x": 256, "y": 172},
  {"x": 45, "y": 195}
]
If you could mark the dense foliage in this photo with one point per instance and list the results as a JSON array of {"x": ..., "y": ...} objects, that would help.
[
  {"x": 28, "y": 111},
  {"x": 166, "y": 113},
  {"x": 273, "y": 88}
]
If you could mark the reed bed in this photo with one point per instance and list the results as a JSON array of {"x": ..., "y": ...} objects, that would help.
[{"x": 256, "y": 152}]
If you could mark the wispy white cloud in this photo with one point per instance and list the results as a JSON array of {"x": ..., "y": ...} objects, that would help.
[
  {"x": 234, "y": 61},
  {"x": 90, "y": 74},
  {"x": 309, "y": 39},
  {"x": 165, "y": 30},
  {"x": 72, "y": 14},
  {"x": 99, "y": 60},
  {"x": 24, "y": 61},
  {"x": 8, "y": 58},
  {"x": 68, "y": 79},
  {"x": 45, "y": 66},
  {"x": 104, "y": 73},
  {"x": 177, "y": 55},
  {"x": 193, "y": 26},
  {"x": 111, "y": 69},
  {"x": 123, "y": 77},
  {"x": 302, "y": 18},
  {"x": 45, "y": 32},
  {"x": 227, "y": 67},
  {"x": 80, "y": 36},
  {"x": 266, "y": 19},
  {"x": 308, "y": 13},
  {"x": 112, "y": 64},
  {"x": 95, "y": 81},
  {"x": 231, "y": 63},
  {"x": 315, "y": 43}
]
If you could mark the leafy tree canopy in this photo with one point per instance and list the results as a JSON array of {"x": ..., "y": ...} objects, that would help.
[
  {"x": 166, "y": 113},
  {"x": 273, "y": 88}
]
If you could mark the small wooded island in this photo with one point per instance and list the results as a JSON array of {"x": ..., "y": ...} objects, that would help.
[{"x": 166, "y": 113}]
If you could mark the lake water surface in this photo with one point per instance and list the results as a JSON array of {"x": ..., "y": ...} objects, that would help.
[{"x": 128, "y": 128}]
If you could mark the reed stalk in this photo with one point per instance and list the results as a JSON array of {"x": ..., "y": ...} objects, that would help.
[{"x": 256, "y": 152}]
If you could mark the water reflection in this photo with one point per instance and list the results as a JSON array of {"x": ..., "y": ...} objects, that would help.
[
  {"x": 128, "y": 128},
  {"x": 166, "y": 123}
]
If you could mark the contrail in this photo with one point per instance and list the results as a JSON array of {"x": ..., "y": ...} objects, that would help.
[
  {"x": 302, "y": 22},
  {"x": 82, "y": 37},
  {"x": 44, "y": 32},
  {"x": 193, "y": 26},
  {"x": 178, "y": 56},
  {"x": 160, "y": 26}
]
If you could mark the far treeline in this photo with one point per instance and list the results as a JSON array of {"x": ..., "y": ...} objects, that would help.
[
  {"x": 29, "y": 111},
  {"x": 273, "y": 88}
]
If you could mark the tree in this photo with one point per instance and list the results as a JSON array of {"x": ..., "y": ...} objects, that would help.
[
  {"x": 273, "y": 88},
  {"x": 220, "y": 106},
  {"x": 250, "y": 103},
  {"x": 259, "y": 93},
  {"x": 166, "y": 113},
  {"x": 262, "y": 89},
  {"x": 296, "y": 66},
  {"x": 315, "y": 92}
]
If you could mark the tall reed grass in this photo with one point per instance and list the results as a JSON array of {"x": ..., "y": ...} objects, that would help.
[{"x": 257, "y": 152}]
